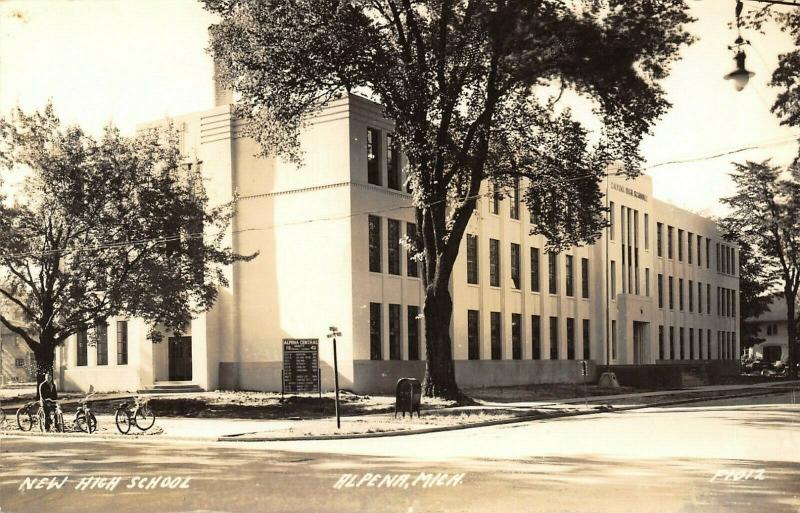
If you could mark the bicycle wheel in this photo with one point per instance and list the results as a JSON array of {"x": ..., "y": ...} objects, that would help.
[
  {"x": 58, "y": 422},
  {"x": 86, "y": 423},
  {"x": 25, "y": 420},
  {"x": 92, "y": 422},
  {"x": 144, "y": 418},
  {"x": 123, "y": 420}
]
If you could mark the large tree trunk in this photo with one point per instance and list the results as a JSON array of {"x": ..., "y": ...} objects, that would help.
[
  {"x": 440, "y": 376},
  {"x": 791, "y": 326},
  {"x": 45, "y": 354}
]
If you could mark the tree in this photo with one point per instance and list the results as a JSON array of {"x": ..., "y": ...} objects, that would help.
[
  {"x": 765, "y": 212},
  {"x": 102, "y": 227},
  {"x": 755, "y": 288},
  {"x": 474, "y": 89}
]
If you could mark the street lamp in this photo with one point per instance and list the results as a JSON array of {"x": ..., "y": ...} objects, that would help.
[{"x": 740, "y": 75}]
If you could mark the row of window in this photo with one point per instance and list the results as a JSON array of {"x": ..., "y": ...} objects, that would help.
[
  {"x": 726, "y": 259},
  {"x": 376, "y": 156},
  {"x": 102, "y": 345},
  {"x": 688, "y": 350},
  {"x": 412, "y": 323},
  {"x": 393, "y": 247},
  {"x": 535, "y": 341},
  {"x": 515, "y": 258},
  {"x": 726, "y": 302}
]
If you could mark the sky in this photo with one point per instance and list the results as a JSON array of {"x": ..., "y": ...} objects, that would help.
[{"x": 135, "y": 61}]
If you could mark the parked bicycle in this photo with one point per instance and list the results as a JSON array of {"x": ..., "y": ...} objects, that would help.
[
  {"x": 134, "y": 412},
  {"x": 33, "y": 414},
  {"x": 84, "y": 418}
]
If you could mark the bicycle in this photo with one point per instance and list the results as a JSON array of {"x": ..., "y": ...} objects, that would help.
[
  {"x": 28, "y": 415},
  {"x": 84, "y": 418},
  {"x": 56, "y": 414},
  {"x": 137, "y": 413}
]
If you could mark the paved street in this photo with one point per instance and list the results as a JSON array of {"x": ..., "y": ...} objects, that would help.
[{"x": 680, "y": 459}]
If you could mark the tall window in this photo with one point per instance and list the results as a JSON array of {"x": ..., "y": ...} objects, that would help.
[
  {"x": 393, "y": 246},
  {"x": 659, "y": 239},
  {"x": 680, "y": 245},
  {"x": 718, "y": 264},
  {"x": 102, "y": 344},
  {"x": 708, "y": 298},
  {"x": 472, "y": 259},
  {"x": 587, "y": 346},
  {"x": 514, "y": 213},
  {"x": 691, "y": 343},
  {"x": 700, "y": 354},
  {"x": 613, "y": 280},
  {"x": 395, "y": 352},
  {"x": 647, "y": 282},
  {"x": 699, "y": 250},
  {"x": 554, "y": 338},
  {"x": 689, "y": 238},
  {"x": 671, "y": 294},
  {"x": 570, "y": 338},
  {"x": 661, "y": 342},
  {"x": 515, "y": 266},
  {"x": 535, "y": 270},
  {"x": 552, "y": 273},
  {"x": 691, "y": 296},
  {"x": 122, "y": 342},
  {"x": 670, "y": 233},
  {"x": 494, "y": 206},
  {"x": 680, "y": 334},
  {"x": 699, "y": 297},
  {"x": 413, "y": 332},
  {"x": 83, "y": 351},
  {"x": 374, "y": 156},
  {"x": 374, "y": 244},
  {"x": 536, "y": 337},
  {"x": 708, "y": 253},
  {"x": 646, "y": 232},
  {"x": 671, "y": 343},
  {"x": 516, "y": 336},
  {"x": 585, "y": 278},
  {"x": 473, "y": 335},
  {"x": 375, "y": 323},
  {"x": 680, "y": 293},
  {"x": 412, "y": 266},
  {"x": 660, "y": 286},
  {"x": 611, "y": 220},
  {"x": 494, "y": 262},
  {"x": 570, "y": 285},
  {"x": 708, "y": 343},
  {"x": 393, "y": 163},
  {"x": 497, "y": 337},
  {"x": 613, "y": 339},
  {"x": 733, "y": 262}
]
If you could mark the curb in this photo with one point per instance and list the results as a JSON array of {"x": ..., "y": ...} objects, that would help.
[{"x": 514, "y": 420}]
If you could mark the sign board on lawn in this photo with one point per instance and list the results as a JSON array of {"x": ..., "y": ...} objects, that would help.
[{"x": 301, "y": 365}]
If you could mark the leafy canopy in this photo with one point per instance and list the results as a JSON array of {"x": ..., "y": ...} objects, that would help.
[{"x": 102, "y": 227}]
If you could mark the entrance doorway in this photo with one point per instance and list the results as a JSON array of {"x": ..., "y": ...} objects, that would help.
[
  {"x": 639, "y": 342},
  {"x": 180, "y": 358}
]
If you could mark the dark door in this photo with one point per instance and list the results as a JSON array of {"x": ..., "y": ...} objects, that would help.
[
  {"x": 772, "y": 354},
  {"x": 180, "y": 358}
]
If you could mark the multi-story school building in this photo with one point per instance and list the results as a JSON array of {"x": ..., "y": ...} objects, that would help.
[{"x": 329, "y": 236}]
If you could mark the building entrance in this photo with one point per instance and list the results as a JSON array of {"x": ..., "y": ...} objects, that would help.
[
  {"x": 640, "y": 342},
  {"x": 180, "y": 358}
]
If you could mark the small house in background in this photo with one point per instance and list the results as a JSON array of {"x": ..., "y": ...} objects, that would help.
[
  {"x": 16, "y": 359},
  {"x": 772, "y": 327}
]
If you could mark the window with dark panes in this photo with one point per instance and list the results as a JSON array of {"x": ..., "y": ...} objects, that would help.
[
  {"x": 691, "y": 296},
  {"x": 587, "y": 346},
  {"x": 393, "y": 163},
  {"x": 611, "y": 220},
  {"x": 374, "y": 244},
  {"x": 472, "y": 259},
  {"x": 122, "y": 342},
  {"x": 670, "y": 234},
  {"x": 83, "y": 345},
  {"x": 536, "y": 337},
  {"x": 516, "y": 336},
  {"x": 585, "y": 278},
  {"x": 570, "y": 338},
  {"x": 660, "y": 285},
  {"x": 680, "y": 245},
  {"x": 691, "y": 343},
  {"x": 614, "y": 340},
  {"x": 494, "y": 206},
  {"x": 395, "y": 352},
  {"x": 680, "y": 293},
  {"x": 680, "y": 335},
  {"x": 497, "y": 338},
  {"x": 516, "y": 278},
  {"x": 689, "y": 239},
  {"x": 473, "y": 335},
  {"x": 671, "y": 293},
  {"x": 671, "y": 347},
  {"x": 412, "y": 266},
  {"x": 102, "y": 343},
  {"x": 374, "y": 156},
  {"x": 375, "y": 338},
  {"x": 535, "y": 270},
  {"x": 413, "y": 332},
  {"x": 570, "y": 275},
  {"x": 552, "y": 273},
  {"x": 393, "y": 246},
  {"x": 514, "y": 212},
  {"x": 659, "y": 239},
  {"x": 661, "y": 342},
  {"x": 494, "y": 262},
  {"x": 613, "y": 280},
  {"x": 554, "y": 338}
]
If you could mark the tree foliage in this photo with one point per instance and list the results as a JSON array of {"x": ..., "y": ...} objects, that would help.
[
  {"x": 764, "y": 214},
  {"x": 473, "y": 87},
  {"x": 102, "y": 227}
]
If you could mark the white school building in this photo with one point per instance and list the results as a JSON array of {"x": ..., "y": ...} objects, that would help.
[{"x": 329, "y": 235}]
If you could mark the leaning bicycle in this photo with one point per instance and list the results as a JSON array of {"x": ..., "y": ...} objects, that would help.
[
  {"x": 84, "y": 418},
  {"x": 134, "y": 412}
]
